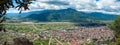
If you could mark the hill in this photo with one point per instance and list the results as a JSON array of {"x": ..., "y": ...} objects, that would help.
[
  {"x": 69, "y": 15},
  {"x": 64, "y": 15}
]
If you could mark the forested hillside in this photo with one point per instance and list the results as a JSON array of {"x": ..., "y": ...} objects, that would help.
[{"x": 69, "y": 15}]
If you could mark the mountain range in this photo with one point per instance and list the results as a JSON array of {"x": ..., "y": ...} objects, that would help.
[{"x": 64, "y": 15}]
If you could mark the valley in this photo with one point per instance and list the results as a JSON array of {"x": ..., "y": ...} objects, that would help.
[
  {"x": 63, "y": 33},
  {"x": 60, "y": 27}
]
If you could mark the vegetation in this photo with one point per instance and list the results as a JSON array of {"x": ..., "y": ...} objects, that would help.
[
  {"x": 116, "y": 27},
  {"x": 27, "y": 28},
  {"x": 4, "y": 6},
  {"x": 67, "y": 15}
]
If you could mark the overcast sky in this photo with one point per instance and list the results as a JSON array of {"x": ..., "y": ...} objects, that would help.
[{"x": 104, "y": 6}]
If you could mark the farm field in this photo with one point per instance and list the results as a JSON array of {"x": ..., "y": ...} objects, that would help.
[{"x": 30, "y": 27}]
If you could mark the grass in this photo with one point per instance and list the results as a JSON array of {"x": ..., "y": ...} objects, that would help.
[{"x": 27, "y": 28}]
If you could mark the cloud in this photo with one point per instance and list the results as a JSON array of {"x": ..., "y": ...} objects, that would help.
[
  {"x": 49, "y": 4},
  {"x": 104, "y": 6},
  {"x": 57, "y": 2}
]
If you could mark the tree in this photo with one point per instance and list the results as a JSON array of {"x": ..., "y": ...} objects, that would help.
[
  {"x": 6, "y": 4},
  {"x": 116, "y": 25}
]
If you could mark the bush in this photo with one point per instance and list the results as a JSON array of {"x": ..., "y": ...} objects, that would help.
[{"x": 116, "y": 26}]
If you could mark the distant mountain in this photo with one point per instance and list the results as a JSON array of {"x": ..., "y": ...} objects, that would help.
[
  {"x": 68, "y": 15},
  {"x": 17, "y": 15}
]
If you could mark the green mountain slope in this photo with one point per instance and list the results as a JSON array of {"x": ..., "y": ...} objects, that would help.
[{"x": 68, "y": 15}]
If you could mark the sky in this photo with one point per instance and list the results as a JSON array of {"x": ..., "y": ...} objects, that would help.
[{"x": 103, "y": 6}]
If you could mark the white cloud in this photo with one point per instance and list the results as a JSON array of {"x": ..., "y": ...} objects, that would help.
[
  {"x": 105, "y": 6},
  {"x": 40, "y": 4}
]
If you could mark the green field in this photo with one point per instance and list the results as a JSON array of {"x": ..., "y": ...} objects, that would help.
[{"x": 25, "y": 28}]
